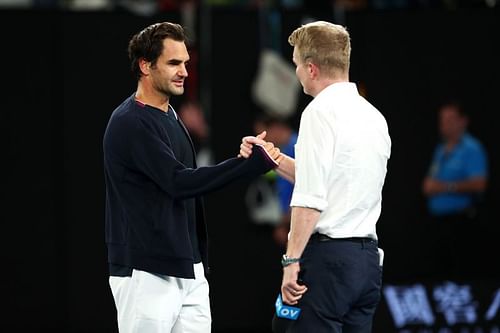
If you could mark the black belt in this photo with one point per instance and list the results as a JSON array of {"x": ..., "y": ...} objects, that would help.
[{"x": 324, "y": 238}]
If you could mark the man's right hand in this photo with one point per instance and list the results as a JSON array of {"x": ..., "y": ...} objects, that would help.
[{"x": 248, "y": 142}]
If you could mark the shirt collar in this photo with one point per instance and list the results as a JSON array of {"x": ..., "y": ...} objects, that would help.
[{"x": 340, "y": 88}]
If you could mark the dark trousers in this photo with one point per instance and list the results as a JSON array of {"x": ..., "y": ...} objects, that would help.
[{"x": 344, "y": 280}]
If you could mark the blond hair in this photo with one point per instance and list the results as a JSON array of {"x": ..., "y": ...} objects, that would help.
[{"x": 325, "y": 44}]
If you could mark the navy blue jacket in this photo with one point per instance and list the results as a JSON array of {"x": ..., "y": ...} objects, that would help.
[{"x": 146, "y": 220}]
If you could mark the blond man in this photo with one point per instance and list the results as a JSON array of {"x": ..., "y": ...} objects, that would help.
[{"x": 332, "y": 268}]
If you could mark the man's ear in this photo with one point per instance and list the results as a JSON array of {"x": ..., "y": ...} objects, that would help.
[
  {"x": 313, "y": 70},
  {"x": 144, "y": 65}
]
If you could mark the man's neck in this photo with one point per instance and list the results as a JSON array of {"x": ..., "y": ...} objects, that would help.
[
  {"x": 452, "y": 142},
  {"x": 326, "y": 82},
  {"x": 146, "y": 95}
]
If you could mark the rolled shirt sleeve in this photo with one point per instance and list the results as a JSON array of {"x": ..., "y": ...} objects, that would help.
[{"x": 313, "y": 161}]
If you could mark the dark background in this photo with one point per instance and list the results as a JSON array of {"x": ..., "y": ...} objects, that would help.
[{"x": 65, "y": 72}]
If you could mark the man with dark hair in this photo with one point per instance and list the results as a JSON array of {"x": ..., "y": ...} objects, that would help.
[
  {"x": 155, "y": 229},
  {"x": 454, "y": 186}
]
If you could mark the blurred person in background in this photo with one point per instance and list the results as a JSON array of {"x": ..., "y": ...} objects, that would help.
[
  {"x": 194, "y": 119},
  {"x": 155, "y": 230},
  {"x": 454, "y": 187},
  {"x": 280, "y": 132}
]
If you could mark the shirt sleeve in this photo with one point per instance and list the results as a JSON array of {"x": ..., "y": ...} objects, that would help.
[
  {"x": 313, "y": 161},
  {"x": 476, "y": 165},
  {"x": 156, "y": 160}
]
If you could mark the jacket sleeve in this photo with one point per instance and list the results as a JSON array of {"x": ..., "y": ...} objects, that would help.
[{"x": 154, "y": 158}]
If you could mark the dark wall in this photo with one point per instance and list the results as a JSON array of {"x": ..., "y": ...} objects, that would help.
[
  {"x": 66, "y": 72},
  {"x": 33, "y": 236}
]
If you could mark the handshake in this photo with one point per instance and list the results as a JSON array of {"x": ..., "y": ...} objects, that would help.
[{"x": 248, "y": 142}]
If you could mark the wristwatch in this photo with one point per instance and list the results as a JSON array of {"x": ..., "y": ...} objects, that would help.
[{"x": 286, "y": 260}]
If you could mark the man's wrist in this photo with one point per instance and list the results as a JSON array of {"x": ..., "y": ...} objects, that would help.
[{"x": 286, "y": 260}]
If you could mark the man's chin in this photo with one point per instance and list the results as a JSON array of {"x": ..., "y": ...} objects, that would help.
[{"x": 178, "y": 91}]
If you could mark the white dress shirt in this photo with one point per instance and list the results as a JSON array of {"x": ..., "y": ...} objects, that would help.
[{"x": 341, "y": 162}]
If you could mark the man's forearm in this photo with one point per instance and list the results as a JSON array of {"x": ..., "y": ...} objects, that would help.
[
  {"x": 286, "y": 168},
  {"x": 433, "y": 186},
  {"x": 472, "y": 185},
  {"x": 302, "y": 225}
]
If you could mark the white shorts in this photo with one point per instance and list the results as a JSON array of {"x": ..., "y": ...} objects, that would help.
[{"x": 147, "y": 303}]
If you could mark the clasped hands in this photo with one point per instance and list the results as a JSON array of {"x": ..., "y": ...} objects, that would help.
[{"x": 248, "y": 142}]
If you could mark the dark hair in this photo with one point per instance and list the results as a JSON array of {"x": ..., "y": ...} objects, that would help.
[
  {"x": 148, "y": 44},
  {"x": 456, "y": 104}
]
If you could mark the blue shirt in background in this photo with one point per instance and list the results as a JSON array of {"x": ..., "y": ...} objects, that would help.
[
  {"x": 467, "y": 160},
  {"x": 284, "y": 187}
]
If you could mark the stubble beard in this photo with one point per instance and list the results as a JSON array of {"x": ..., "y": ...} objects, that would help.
[{"x": 170, "y": 90}]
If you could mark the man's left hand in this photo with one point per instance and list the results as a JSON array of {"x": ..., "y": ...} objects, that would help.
[{"x": 291, "y": 291}]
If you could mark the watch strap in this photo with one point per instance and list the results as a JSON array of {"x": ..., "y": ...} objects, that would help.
[{"x": 286, "y": 260}]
